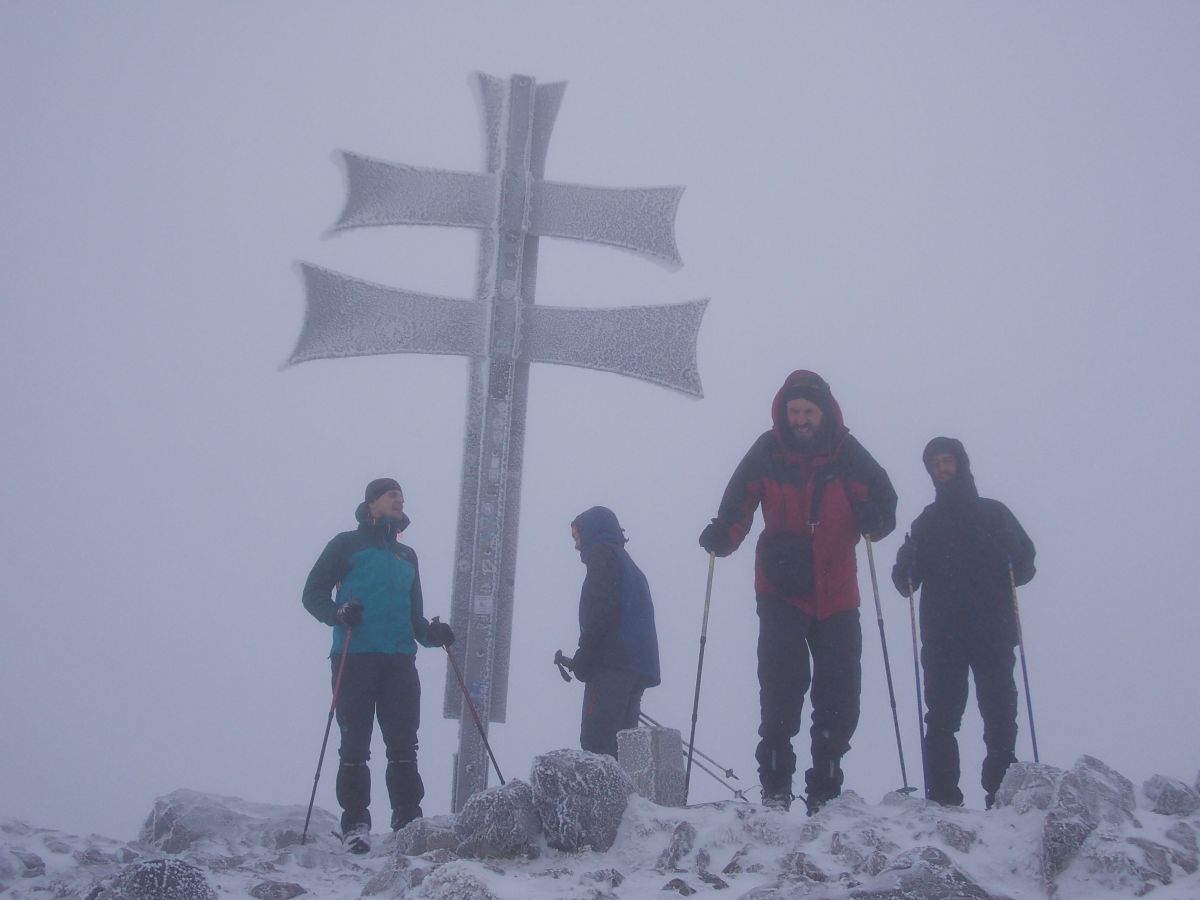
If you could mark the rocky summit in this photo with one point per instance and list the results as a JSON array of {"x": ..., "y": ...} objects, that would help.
[{"x": 577, "y": 829}]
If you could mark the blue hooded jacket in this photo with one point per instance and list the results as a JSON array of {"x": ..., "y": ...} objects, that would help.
[
  {"x": 371, "y": 566},
  {"x": 616, "y": 612}
]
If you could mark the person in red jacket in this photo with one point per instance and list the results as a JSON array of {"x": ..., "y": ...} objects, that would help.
[{"x": 819, "y": 490}]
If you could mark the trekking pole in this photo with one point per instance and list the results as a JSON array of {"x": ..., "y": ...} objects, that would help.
[
  {"x": 912, "y": 614},
  {"x": 337, "y": 684},
  {"x": 738, "y": 793},
  {"x": 887, "y": 666},
  {"x": 475, "y": 715},
  {"x": 687, "y": 777},
  {"x": 1012, "y": 580},
  {"x": 729, "y": 773}
]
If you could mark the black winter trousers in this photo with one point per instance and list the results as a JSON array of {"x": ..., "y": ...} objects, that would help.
[
  {"x": 946, "y": 662},
  {"x": 787, "y": 640},
  {"x": 387, "y": 686},
  {"x": 612, "y": 701}
]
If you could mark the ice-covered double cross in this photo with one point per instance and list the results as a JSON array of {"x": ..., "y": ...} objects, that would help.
[{"x": 501, "y": 331}]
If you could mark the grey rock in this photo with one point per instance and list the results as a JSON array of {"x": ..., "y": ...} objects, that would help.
[
  {"x": 1063, "y": 833},
  {"x": 422, "y": 835},
  {"x": 1089, "y": 795},
  {"x": 716, "y": 882},
  {"x": 396, "y": 878},
  {"x": 56, "y": 845},
  {"x": 958, "y": 837},
  {"x": 796, "y": 866},
  {"x": 1184, "y": 835},
  {"x": 683, "y": 839},
  {"x": 160, "y": 879},
  {"x": 1128, "y": 866},
  {"x": 1105, "y": 795},
  {"x": 1029, "y": 786},
  {"x": 94, "y": 856},
  {"x": 1186, "y": 857},
  {"x": 923, "y": 872},
  {"x": 737, "y": 864},
  {"x": 862, "y": 850},
  {"x": 679, "y": 886},
  {"x": 580, "y": 798},
  {"x": 1170, "y": 796},
  {"x": 454, "y": 882},
  {"x": 32, "y": 865},
  {"x": 611, "y": 877},
  {"x": 191, "y": 820},
  {"x": 499, "y": 823},
  {"x": 276, "y": 890}
]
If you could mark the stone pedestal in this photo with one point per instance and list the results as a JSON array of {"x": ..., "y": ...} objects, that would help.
[{"x": 653, "y": 758}]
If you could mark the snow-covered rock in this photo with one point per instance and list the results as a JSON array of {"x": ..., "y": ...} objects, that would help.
[
  {"x": 1170, "y": 796},
  {"x": 422, "y": 835},
  {"x": 229, "y": 826},
  {"x": 1077, "y": 834},
  {"x": 155, "y": 879},
  {"x": 499, "y": 822},
  {"x": 580, "y": 798}
]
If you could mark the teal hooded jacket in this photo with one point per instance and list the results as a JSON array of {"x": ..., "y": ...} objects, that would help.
[{"x": 370, "y": 565}]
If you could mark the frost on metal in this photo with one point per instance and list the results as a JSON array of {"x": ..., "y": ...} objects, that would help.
[
  {"x": 637, "y": 219},
  {"x": 501, "y": 332},
  {"x": 653, "y": 343},
  {"x": 348, "y": 317}
]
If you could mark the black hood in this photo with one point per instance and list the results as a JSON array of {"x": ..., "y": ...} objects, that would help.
[
  {"x": 963, "y": 484},
  {"x": 598, "y": 525}
]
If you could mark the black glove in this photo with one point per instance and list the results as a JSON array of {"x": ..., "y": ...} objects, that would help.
[
  {"x": 715, "y": 539},
  {"x": 867, "y": 518},
  {"x": 902, "y": 573},
  {"x": 350, "y": 614},
  {"x": 440, "y": 634},
  {"x": 584, "y": 664}
]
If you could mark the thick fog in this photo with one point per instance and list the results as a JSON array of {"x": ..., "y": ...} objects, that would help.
[{"x": 972, "y": 220}]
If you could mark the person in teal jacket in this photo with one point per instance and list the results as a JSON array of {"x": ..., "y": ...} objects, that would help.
[{"x": 366, "y": 584}]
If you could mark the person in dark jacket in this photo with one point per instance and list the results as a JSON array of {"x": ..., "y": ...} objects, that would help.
[
  {"x": 819, "y": 490},
  {"x": 378, "y": 619},
  {"x": 959, "y": 553},
  {"x": 617, "y": 658}
]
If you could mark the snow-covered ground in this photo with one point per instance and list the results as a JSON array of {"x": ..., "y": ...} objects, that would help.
[{"x": 1080, "y": 833}]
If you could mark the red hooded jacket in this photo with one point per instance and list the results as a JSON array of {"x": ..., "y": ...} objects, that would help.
[{"x": 781, "y": 477}]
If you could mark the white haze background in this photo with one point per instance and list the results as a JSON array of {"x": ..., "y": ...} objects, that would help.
[{"x": 974, "y": 220}]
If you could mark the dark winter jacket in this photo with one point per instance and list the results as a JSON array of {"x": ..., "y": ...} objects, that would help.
[
  {"x": 958, "y": 553},
  {"x": 616, "y": 613},
  {"x": 371, "y": 566},
  {"x": 856, "y": 498}
]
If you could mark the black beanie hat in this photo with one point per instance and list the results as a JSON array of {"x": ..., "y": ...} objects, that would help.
[
  {"x": 379, "y": 487},
  {"x": 814, "y": 390}
]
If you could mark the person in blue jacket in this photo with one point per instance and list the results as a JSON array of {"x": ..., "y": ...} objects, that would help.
[
  {"x": 367, "y": 586},
  {"x": 617, "y": 657}
]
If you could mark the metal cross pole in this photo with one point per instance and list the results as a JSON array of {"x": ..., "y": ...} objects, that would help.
[{"x": 501, "y": 331}]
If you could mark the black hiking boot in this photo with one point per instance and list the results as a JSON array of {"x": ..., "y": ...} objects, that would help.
[
  {"x": 357, "y": 839},
  {"x": 402, "y": 815},
  {"x": 823, "y": 782}
]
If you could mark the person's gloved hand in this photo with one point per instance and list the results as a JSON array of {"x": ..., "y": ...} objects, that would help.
[
  {"x": 715, "y": 539},
  {"x": 350, "y": 614},
  {"x": 867, "y": 519},
  {"x": 584, "y": 664},
  {"x": 440, "y": 634},
  {"x": 902, "y": 573}
]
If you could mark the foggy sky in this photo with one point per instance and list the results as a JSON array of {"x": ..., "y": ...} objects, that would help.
[{"x": 973, "y": 220}]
